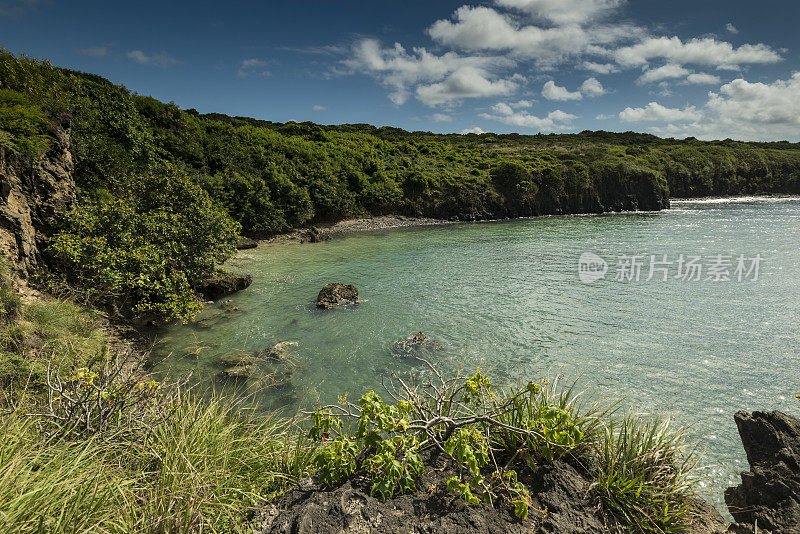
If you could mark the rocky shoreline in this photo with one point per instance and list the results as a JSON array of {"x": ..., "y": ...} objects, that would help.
[
  {"x": 765, "y": 503},
  {"x": 351, "y": 226}
]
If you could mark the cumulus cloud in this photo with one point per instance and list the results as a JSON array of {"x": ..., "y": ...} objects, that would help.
[
  {"x": 703, "y": 79},
  {"x": 555, "y": 120},
  {"x": 473, "y": 130},
  {"x": 563, "y": 12},
  {"x": 466, "y": 82},
  {"x": 401, "y": 70},
  {"x": 592, "y": 88},
  {"x": 599, "y": 68},
  {"x": 704, "y": 51},
  {"x": 656, "y": 112},
  {"x": 484, "y": 28},
  {"x": 731, "y": 28},
  {"x": 253, "y": 67},
  {"x": 551, "y": 91},
  {"x": 759, "y": 106},
  {"x": 740, "y": 109},
  {"x": 666, "y": 72},
  {"x": 161, "y": 59},
  {"x": 319, "y": 108}
]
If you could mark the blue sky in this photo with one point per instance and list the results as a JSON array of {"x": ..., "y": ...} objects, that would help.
[{"x": 708, "y": 68}]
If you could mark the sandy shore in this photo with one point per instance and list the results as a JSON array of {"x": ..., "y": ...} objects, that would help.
[{"x": 350, "y": 226}]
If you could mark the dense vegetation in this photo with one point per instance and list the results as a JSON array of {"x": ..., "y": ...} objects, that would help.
[
  {"x": 272, "y": 177},
  {"x": 92, "y": 444}
]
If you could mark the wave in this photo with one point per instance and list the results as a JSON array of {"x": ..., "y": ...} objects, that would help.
[{"x": 736, "y": 200}]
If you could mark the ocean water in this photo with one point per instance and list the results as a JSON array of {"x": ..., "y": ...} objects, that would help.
[{"x": 507, "y": 296}]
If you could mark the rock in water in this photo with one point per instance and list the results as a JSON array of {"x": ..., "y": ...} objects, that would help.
[
  {"x": 770, "y": 491},
  {"x": 222, "y": 284},
  {"x": 246, "y": 243},
  {"x": 418, "y": 344},
  {"x": 280, "y": 350},
  {"x": 333, "y": 295}
]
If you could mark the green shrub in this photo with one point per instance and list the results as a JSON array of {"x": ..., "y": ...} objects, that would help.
[
  {"x": 23, "y": 125},
  {"x": 150, "y": 246}
]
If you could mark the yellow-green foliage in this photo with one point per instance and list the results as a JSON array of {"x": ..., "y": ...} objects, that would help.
[{"x": 204, "y": 469}]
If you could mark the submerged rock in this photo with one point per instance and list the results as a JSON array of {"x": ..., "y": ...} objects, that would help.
[
  {"x": 770, "y": 491},
  {"x": 333, "y": 295},
  {"x": 236, "y": 359},
  {"x": 219, "y": 285},
  {"x": 418, "y": 344},
  {"x": 280, "y": 350},
  {"x": 239, "y": 372}
]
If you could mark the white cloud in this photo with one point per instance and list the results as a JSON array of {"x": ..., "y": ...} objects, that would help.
[
  {"x": 466, "y": 82},
  {"x": 319, "y": 108},
  {"x": 666, "y": 72},
  {"x": 484, "y": 28},
  {"x": 253, "y": 67},
  {"x": 731, "y": 28},
  {"x": 703, "y": 79},
  {"x": 656, "y": 112},
  {"x": 599, "y": 68},
  {"x": 505, "y": 113},
  {"x": 740, "y": 110},
  {"x": 521, "y": 104},
  {"x": 763, "y": 109},
  {"x": 473, "y": 130},
  {"x": 704, "y": 51},
  {"x": 551, "y": 91},
  {"x": 592, "y": 88},
  {"x": 161, "y": 59},
  {"x": 400, "y": 70},
  {"x": 441, "y": 117},
  {"x": 562, "y": 12},
  {"x": 95, "y": 51}
]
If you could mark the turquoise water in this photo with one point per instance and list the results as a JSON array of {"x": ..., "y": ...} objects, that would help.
[{"x": 506, "y": 296}]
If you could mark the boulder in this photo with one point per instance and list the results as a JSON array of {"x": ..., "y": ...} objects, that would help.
[
  {"x": 418, "y": 344},
  {"x": 333, "y": 295},
  {"x": 238, "y": 372},
  {"x": 769, "y": 493},
  {"x": 246, "y": 243},
  {"x": 314, "y": 235},
  {"x": 280, "y": 351},
  {"x": 221, "y": 284}
]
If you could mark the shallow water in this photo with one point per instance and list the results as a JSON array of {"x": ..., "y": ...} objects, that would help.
[{"x": 507, "y": 296}]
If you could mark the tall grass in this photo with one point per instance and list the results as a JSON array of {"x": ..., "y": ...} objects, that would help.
[
  {"x": 203, "y": 470},
  {"x": 644, "y": 473}
]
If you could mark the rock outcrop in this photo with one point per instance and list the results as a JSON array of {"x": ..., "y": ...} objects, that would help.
[
  {"x": 245, "y": 243},
  {"x": 417, "y": 345},
  {"x": 33, "y": 195},
  {"x": 221, "y": 284},
  {"x": 769, "y": 495},
  {"x": 333, "y": 295}
]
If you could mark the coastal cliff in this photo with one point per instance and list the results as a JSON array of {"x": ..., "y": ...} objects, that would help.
[{"x": 34, "y": 194}]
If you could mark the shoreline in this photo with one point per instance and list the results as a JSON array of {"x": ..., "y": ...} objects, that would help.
[{"x": 326, "y": 231}]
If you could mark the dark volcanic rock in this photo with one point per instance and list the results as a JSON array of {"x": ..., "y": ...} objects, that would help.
[
  {"x": 570, "y": 507},
  {"x": 770, "y": 491},
  {"x": 333, "y": 295},
  {"x": 314, "y": 235},
  {"x": 222, "y": 284},
  {"x": 417, "y": 345},
  {"x": 245, "y": 243}
]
